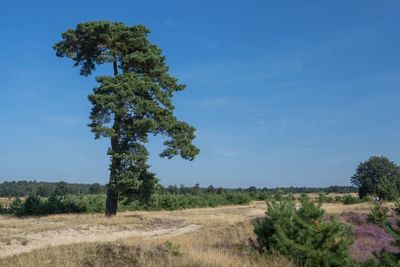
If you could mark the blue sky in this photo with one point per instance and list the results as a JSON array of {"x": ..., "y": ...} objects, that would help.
[{"x": 281, "y": 92}]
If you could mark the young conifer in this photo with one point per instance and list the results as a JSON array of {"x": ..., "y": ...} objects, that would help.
[{"x": 303, "y": 234}]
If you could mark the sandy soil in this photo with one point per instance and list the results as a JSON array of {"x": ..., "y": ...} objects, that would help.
[
  {"x": 24, "y": 235},
  {"x": 101, "y": 233}
]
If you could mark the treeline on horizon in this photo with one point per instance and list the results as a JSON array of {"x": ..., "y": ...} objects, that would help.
[{"x": 46, "y": 189}]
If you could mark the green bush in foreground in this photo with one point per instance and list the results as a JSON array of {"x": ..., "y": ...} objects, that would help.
[
  {"x": 303, "y": 235},
  {"x": 378, "y": 214},
  {"x": 390, "y": 258}
]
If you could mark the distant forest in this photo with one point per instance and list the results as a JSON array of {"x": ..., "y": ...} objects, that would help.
[{"x": 46, "y": 189}]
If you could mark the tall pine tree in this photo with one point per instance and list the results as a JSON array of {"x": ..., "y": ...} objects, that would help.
[{"x": 128, "y": 106}]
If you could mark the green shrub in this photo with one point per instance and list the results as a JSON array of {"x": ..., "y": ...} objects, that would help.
[
  {"x": 338, "y": 199},
  {"x": 262, "y": 195},
  {"x": 329, "y": 199},
  {"x": 96, "y": 203},
  {"x": 15, "y": 206},
  {"x": 33, "y": 205},
  {"x": 303, "y": 235},
  {"x": 74, "y": 204},
  {"x": 396, "y": 208},
  {"x": 349, "y": 200},
  {"x": 392, "y": 258},
  {"x": 321, "y": 198},
  {"x": 2, "y": 209},
  {"x": 53, "y": 205},
  {"x": 378, "y": 214}
]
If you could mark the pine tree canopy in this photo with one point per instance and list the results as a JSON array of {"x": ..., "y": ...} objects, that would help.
[{"x": 135, "y": 102}]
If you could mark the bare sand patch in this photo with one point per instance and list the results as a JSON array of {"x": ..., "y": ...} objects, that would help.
[{"x": 20, "y": 241}]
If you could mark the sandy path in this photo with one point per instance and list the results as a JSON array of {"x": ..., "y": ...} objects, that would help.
[
  {"x": 23, "y": 235},
  {"x": 99, "y": 233}
]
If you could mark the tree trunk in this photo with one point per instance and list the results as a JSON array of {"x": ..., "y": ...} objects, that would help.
[
  {"x": 111, "y": 203},
  {"x": 115, "y": 67},
  {"x": 112, "y": 196}
]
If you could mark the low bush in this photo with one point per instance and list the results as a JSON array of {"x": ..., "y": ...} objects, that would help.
[
  {"x": 35, "y": 205},
  {"x": 378, "y": 214},
  {"x": 338, "y": 199},
  {"x": 321, "y": 198},
  {"x": 349, "y": 200},
  {"x": 185, "y": 201},
  {"x": 303, "y": 235},
  {"x": 370, "y": 241}
]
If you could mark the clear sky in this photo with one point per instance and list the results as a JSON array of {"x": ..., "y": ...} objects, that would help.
[{"x": 281, "y": 92}]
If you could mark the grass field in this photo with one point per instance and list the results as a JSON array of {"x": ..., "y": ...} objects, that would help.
[{"x": 194, "y": 237}]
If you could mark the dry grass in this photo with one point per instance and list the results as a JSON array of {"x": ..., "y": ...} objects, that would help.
[
  {"x": 5, "y": 201},
  {"x": 221, "y": 239},
  {"x": 214, "y": 237}
]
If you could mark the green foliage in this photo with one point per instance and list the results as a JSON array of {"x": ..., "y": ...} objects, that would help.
[
  {"x": 378, "y": 214},
  {"x": 95, "y": 189},
  {"x": 306, "y": 190},
  {"x": 15, "y": 206},
  {"x": 303, "y": 235},
  {"x": 396, "y": 208},
  {"x": 349, "y": 200},
  {"x": 31, "y": 206},
  {"x": 386, "y": 258},
  {"x": 62, "y": 189},
  {"x": 36, "y": 206},
  {"x": 185, "y": 201},
  {"x": 128, "y": 107},
  {"x": 45, "y": 189},
  {"x": 378, "y": 176},
  {"x": 388, "y": 189},
  {"x": 389, "y": 260},
  {"x": 321, "y": 198}
]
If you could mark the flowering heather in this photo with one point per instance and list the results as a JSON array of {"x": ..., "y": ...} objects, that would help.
[
  {"x": 354, "y": 218},
  {"x": 369, "y": 239},
  {"x": 393, "y": 221}
]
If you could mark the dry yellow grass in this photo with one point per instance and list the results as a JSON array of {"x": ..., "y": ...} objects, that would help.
[
  {"x": 220, "y": 239},
  {"x": 198, "y": 237}
]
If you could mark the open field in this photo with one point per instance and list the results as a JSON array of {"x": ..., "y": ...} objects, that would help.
[{"x": 196, "y": 237}]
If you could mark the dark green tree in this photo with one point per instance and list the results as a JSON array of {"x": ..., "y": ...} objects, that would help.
[
  {"x": 210, "y": 189},
  {"x": 95, "y": 188},
  {"x": 62, "y": 189},
  {"x": 43, "y": 190},
  {"x": 378, "y": 176},
  {"x": 303, "y": 234},
  {"x": 128, "y": 106}
]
